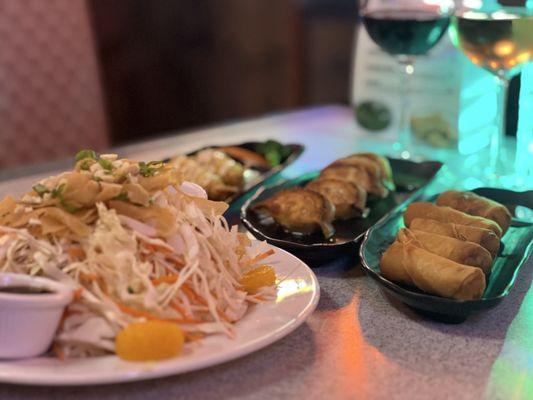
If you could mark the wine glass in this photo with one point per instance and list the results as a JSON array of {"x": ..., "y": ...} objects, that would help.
[
  {"x": 500, "y": 40},
  {"x": 406, "y": 29}
]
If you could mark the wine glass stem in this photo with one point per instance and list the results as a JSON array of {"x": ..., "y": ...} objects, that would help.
[
  {"x": 404, "y": 134},
  {"x": 497, "y": 138}
]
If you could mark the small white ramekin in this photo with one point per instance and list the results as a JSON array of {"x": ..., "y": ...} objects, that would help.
[{"x": 28, "y": 322}]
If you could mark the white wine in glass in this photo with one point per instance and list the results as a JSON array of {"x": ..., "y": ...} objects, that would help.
[{"x": 500, "y": 40}]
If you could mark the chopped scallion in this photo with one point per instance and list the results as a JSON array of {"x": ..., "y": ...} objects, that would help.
[
  {"x": 56, "y": 192},
  {"x": 86, "y": 154},
  {"x": 40, "y": 189},
  {"x": 105, "y": 164}
]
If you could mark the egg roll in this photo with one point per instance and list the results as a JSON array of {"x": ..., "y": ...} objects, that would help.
[
  {"x": 462, "y": 252},
  {"x": 484, "y": 237},
  {"x": 474, "y": 204},
  {"x": 411, "y": 265},
  {"x": 447, "y": 214}
]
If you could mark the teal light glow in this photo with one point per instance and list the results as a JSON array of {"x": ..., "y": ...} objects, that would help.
[
  {"x": 512, "y": 373},
  {"x": 524, "y": 135},
  {"x": 472, "y": 183},
  {"x": 477, "y": 108}
]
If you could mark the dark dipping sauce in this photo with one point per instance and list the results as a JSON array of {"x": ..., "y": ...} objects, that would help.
[{"x": 25, "y": 290}]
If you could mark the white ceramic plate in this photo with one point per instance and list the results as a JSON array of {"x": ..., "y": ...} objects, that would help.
[{"x": 297, "y": 297}]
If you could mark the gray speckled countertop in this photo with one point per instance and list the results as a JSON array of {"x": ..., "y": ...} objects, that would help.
[{"x": 358, "y": 343}]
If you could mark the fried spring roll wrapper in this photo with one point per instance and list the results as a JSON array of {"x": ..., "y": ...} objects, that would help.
[
  {"x": 461, "y": 252},
  {"x": 484, "y": 237},
  {"x": 447, "y": 214},
  {"x": 473, "y": 204},
  {"x": 409, "y": 264}
]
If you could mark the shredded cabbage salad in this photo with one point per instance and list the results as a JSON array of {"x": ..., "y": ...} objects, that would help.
[{"x": 136, "y": 244}]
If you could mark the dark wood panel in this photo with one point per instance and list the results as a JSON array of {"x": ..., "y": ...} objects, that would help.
[{"x": 174, "y": 64}]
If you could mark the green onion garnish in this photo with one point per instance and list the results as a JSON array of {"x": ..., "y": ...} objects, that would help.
[
  {"x": 149, "y": 169},
  {"x": 105, "y": 164},
  {"x": 86, "y": 154},
  {"x": 40, "y": 189}
]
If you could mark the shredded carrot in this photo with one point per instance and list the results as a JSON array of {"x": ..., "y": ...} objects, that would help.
[
  {"x": 89, "y": 277},
  {"x": 194, "y": 336},
  {"x": 145, "y": 314},
  {"x": 192, "y": 295},
  {"x": 77, "y": 294},
  {"x": 178, "y": 308},
  {"x": 135, "y": 313},
  {"x": 62, "y": 319},
  {"x": 156, "y": 247},
  {"x": 223, "y": 315},
  {"x": 186, "y": 318},
  {"x": 260, "y": 257},
  {"x": 174, "y": 260},
  {"x": 76, "y": 253},
  {"x": 58, "y": 351},
  {"x": 165, "y": 279}
]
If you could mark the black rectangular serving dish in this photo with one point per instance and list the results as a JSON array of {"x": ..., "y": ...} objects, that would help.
[
  {"x": 253, "y": 177},
  {"x": 517, "y": 246},
  {"x": 409, "y": 177}
]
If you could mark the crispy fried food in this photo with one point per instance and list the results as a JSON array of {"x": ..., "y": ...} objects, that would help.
[
  {"x": 409, "y": 264},
  {"x": 231, "y": 172},
  {"x": 384, "y": 166},
  {"x": 247, "y": 157},
  {"x": 348, "y": 198},
  {"x": 378, "y": 167},
  {"x": 484, "y": 237},
  {"x": 300, "y": 210},
  {"x": 480, "y": 206},
  {"x": 457, "y": 250},
  {"x": 349, "y": 173},
  {"x": 447, "y": 214},
  {"x": 362, "y": 172},
  {"x": 193, "y": 171}
]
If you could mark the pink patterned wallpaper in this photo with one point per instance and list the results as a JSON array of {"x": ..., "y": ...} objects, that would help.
[{"x": 50, "y": 95}]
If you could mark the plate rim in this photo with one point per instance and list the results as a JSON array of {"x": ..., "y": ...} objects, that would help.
[{"x": 173, "y": 370}]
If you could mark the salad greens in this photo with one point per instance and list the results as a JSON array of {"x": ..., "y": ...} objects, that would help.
[{"x": 274, "y": 152}]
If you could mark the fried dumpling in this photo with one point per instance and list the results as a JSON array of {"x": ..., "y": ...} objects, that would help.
[
  {"x": 348, "y": 198},
  {"x": 355, "y": 174},
  {"x": 376, "y": 180},
  {"x": 300, "y": 210},
  {"x": 384, "y": 167}
]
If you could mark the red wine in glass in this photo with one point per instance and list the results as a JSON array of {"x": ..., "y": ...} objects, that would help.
[
  {"x": 406, "y": 29},
  {"x": 400, "y": 31}
]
